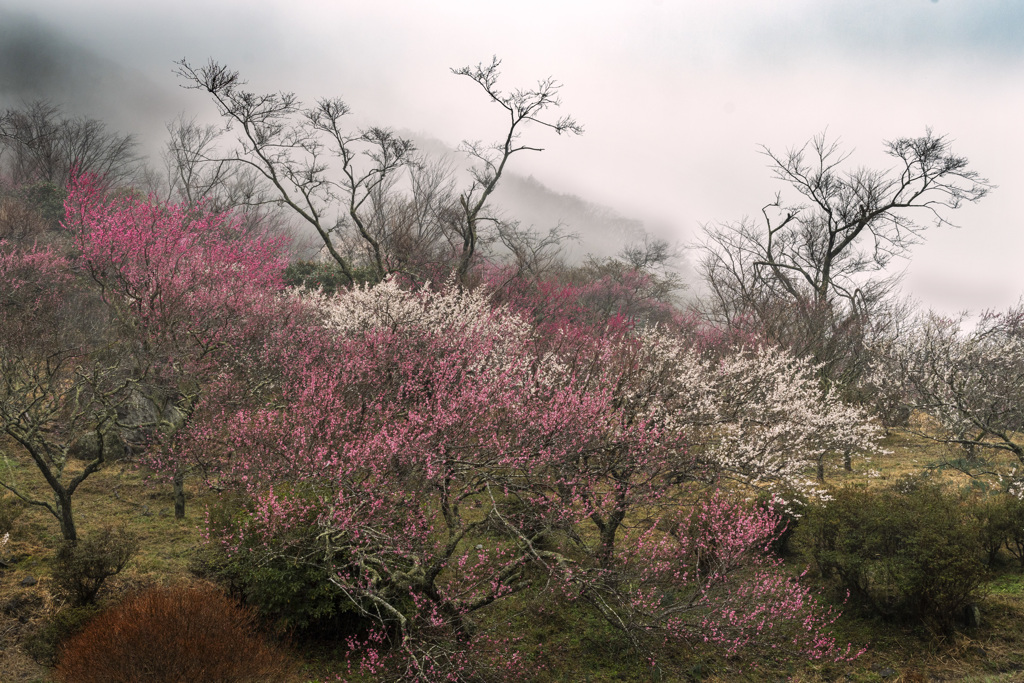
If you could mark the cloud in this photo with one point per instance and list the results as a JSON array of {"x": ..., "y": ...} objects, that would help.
[{"x": 34, "y": 61}]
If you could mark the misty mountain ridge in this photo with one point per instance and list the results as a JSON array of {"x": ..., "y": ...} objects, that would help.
[
  {"x": 599, "y": 230},
  {"x": 38, "y": 62}
]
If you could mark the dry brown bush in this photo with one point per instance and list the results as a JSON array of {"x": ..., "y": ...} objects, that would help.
[{"x": 174, "y": 634}]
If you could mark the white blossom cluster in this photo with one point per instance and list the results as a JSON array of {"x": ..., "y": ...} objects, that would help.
[
  {"x": 452, "y": 311},
  {"x": 671, "y": 383},
  {"x": 969, "y": 381},
  {"x": 758, "y": 415},
  {"x": 776, "y": 421},
  {"x": 388, "y": 305}
]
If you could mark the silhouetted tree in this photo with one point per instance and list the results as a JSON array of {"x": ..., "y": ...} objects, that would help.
[
  {"x": 39, "y": 143},
  {"x": 355, "y": 205},
  {"x": 811, "y": 275}
]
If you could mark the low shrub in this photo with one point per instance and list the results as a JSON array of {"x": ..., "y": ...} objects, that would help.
[
  {"x": 909, "y": 551},
  {"x": 10, "y": 509},
  {"x": 172, "y": 635},
  {"x": 44, "y": 642},
  {"x": 47, "y": 199},
  {"x": 998, "y": 515},
  {"x": 80, "y": 569},
  {"x": 291, "y": 595},
  {"x": 1002, "y": 517}
]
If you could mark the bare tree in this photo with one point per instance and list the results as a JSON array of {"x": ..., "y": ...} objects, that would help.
[
  {"x": 221, "y": 185},
  {"x": 62, "y": 379},
  {"x": 522, "y": 107},
  {"x": 38, "y": 143},
  {"x": 813, "y": 273},
  {"x": 356, "y": 205},
  {"x": 535, "y": 255}
]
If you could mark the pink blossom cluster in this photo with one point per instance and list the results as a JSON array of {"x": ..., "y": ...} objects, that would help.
[{"x": 182, "y": 274}]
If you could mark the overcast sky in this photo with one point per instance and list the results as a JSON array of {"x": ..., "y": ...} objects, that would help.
[{"x": 675, "y": 95}]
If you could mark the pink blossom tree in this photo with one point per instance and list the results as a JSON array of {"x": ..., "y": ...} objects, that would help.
[
  {"x": 386, "y": 455},
  {"x": 192, "y": 290}
]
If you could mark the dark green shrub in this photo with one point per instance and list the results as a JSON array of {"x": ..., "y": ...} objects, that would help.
[
  {"x": 515, "y": 518},
  {"x": 47, "y": 199},
  {"x": 908, "y": 552},
  {"x": 172, "y": 635},
  {"x": 998, "y": 516},
  {"x": 315, "y": 275},
  {"x": 42, "y": 644},
  {"x": 80, "y": 569},
  {"x": 293, "y": 596},
  {"x": 1006, "y": 515}
]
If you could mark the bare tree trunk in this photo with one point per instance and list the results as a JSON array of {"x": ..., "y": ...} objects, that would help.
[
  {"x": 65, "y": 517},
  {"x": 179, "y": 493}
]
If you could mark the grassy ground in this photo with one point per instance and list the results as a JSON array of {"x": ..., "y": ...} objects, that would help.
[{"x": 563, "y": 641}]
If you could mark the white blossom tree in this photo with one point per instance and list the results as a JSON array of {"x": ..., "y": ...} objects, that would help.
[{"x": 970, "y": 381}]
